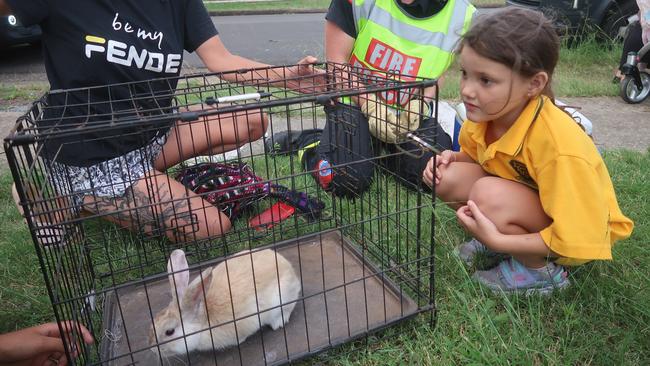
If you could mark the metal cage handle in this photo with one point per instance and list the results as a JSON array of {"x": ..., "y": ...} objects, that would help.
[{"x": 424, "y": 145}]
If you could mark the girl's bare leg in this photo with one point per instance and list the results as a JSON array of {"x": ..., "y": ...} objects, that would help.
[
  {"x": 457, "y": 182},
  {"x": 515, "y": 209}
]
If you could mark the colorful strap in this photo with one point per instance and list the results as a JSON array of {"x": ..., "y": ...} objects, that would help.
[{"x": 233, "y": 187}]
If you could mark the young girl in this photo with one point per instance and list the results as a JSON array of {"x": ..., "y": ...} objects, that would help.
[{"x": 528, "y": 183}]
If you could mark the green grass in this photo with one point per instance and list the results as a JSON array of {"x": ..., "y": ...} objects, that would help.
[
  {"x": 584, "y": 70},
  {"x": 20, "y": 94},
  {"x": 602, "y": 319},
  {"x": 23, "y": 297}
]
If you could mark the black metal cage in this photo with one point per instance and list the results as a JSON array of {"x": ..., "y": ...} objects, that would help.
[{"x": 277, "y": 268}]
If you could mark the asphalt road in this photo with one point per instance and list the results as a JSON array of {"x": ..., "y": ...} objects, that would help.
[{"x": 274, "y": 39}]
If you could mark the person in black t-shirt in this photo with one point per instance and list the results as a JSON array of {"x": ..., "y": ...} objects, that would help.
[{"x": 112, "y": 42}]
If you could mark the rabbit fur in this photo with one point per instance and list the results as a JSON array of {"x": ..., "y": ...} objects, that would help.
[{"x": 227, "y": 285}]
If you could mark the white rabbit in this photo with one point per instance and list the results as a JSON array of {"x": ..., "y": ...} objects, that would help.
[{"x": 224, "y": 289}]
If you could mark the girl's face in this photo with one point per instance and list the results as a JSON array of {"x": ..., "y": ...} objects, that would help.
[{"x": 491, "y": 91}]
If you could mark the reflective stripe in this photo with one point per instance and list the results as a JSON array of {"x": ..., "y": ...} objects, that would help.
[
  {"x": 445, "y": 41},
  {"x": 303, "y": 150}
]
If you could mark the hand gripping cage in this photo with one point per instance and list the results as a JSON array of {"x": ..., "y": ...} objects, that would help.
[{"x": 362, "y": 262}]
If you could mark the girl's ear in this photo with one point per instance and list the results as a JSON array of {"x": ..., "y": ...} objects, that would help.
[{"x": 537, "y": 83}]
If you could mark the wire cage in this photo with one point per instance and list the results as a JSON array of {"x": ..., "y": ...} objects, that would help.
[{"x": 252, "y": 262}]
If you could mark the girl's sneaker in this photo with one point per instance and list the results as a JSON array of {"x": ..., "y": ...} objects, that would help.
[
  {"x": 510, "y": 276},
  {"x": 469, "y": 251}
]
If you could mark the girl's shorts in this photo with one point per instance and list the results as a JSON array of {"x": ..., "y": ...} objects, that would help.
[{"x": 110, "y": 178}]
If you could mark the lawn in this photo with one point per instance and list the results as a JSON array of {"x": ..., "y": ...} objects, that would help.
[{"x": 602, "y": 319}]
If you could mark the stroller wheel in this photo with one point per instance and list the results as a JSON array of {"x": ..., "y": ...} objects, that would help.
[{"x": 629, "y": 91}]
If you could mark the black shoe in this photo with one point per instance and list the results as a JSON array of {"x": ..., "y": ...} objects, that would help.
[{"x": 288, "y": 142}]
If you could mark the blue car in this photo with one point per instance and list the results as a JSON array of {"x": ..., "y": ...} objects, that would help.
[{"x": 12, "y": 32}]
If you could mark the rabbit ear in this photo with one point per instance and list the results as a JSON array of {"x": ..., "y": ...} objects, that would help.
[
  {"x": 197, "y": 292},
  {"x": 179, "y": 276}
]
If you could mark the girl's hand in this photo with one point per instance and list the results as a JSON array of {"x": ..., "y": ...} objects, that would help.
[
  {"x": 481, "y": 227},
  {"x": 443, "y": 160},
  {"x": 432, "y": 174},
  {"x": 427, "y": 174}
]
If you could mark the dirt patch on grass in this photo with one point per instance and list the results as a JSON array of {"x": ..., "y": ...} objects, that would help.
[{"x": 617, "y": 125}]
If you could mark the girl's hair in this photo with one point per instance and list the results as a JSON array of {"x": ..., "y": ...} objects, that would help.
[{"x": 521, "y": 39}]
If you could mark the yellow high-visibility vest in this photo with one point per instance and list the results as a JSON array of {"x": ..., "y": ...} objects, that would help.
[{"x": 389, "y": 39}]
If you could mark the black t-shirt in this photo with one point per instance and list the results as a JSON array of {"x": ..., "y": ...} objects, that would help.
[
  {"x": 106, "y": 42},
  {"x": 340, "y": 12}
]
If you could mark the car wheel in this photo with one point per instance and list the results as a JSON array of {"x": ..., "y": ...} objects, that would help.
[
  {"x": 629, "y": 91},
  {"x": 615, "y": 20}
]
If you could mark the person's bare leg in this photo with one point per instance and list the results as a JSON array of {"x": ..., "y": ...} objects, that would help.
[
  {"x": 157, "y": 205},
  {"x": 457, "y": 181},
  {"x": 515, "y": 209}
]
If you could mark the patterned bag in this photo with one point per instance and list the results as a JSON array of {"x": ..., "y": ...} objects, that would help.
[{"x": 233, "y": 187}]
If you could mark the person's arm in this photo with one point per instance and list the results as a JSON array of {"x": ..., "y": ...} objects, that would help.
[
  {"x": 338, "y": 44},
  {"x": 4, "y": 8},
  {"x": 36, "y": 345},
  {"x": 201, "y": 37},
  {"x": 217, "y": 58}
]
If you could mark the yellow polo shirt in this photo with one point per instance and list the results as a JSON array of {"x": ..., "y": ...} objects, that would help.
[{"x": 546, "y": 150}]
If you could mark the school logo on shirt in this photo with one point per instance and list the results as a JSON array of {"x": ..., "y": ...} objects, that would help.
[
  {"x": 523, "y": 175},
  {"x": 128, "y": 55}
]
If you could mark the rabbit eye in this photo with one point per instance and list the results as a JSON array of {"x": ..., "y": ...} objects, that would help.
[{"x": 169, "y": 332}]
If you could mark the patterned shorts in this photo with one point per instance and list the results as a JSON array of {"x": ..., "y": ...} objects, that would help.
[{"x": 110, "y": 178}]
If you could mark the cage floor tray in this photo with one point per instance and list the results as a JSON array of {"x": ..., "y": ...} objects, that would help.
[{"x": 338, "y": 305}]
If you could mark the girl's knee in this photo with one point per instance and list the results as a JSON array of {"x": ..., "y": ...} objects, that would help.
[
  {"x": 487, "y": 192},
  {"x": 450, "y": 186},
  {"x": 512, "y": 206}
]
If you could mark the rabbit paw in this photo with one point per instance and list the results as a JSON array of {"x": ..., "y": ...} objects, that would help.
[{"x": 277, "y": 323}]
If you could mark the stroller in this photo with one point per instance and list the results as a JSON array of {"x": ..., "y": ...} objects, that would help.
[{"x": 635, "y": 85}]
